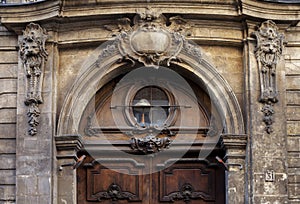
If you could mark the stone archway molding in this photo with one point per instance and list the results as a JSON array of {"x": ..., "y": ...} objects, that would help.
[{"x": 152, "y": 40}]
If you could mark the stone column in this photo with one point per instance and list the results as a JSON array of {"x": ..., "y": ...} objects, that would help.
[
  {"x": 235, "y": 146},
  {"x": 67, "y": 147},
  {"x": 35, "y": 124},
  {"x": 267, "y": 121}
]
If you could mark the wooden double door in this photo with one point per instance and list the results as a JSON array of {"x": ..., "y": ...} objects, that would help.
[{"x": 120, "y": 180}]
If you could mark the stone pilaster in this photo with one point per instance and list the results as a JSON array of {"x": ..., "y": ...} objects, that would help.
[
  {"x": 67, "y": 147},
  {"x": 235, "y": 146},
  {"x": 268, "y": 156},
  {"x": 34, "y": 160}
]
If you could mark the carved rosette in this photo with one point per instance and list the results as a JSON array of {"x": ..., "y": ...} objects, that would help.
[
  {"x": 268, "y": 51},
  {"x": 33, "y": 56}
]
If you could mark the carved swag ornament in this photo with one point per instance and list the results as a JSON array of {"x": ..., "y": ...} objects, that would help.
[
  {"x": 268, "y": 51},
  {"x": 33, "y": 56}
]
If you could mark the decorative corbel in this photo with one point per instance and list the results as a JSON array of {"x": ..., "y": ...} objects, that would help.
[
  {"x": 268, "y": 51},
  {"x": 33, "y": 55}
]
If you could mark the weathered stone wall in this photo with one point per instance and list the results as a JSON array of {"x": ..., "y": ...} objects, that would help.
[
  {"x": 292, "y": 68},
  {"x": 224, "y": 36},
  {"x": 8, "y": 111}
]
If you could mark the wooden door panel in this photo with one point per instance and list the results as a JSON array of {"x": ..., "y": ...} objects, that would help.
[
  {"x": 192, "y": 183},
  {"x": 118, "y": 183},
  {"x": 107, "y": 184}
]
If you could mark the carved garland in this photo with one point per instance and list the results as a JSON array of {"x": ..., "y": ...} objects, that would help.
[
  {"x": 33, "y": 56},
  {"x": 268, "y": 51}
]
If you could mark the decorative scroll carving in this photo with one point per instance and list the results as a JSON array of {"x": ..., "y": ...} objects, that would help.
[
  {"x": 150, "y": 143},
  {"x": 186, "y": 193},
  {"x": 267, "y": 52},
  {"x": 33, "y": 56},
  {"x": 114, "y": 192},
  {"x": 152, "y": 38}
]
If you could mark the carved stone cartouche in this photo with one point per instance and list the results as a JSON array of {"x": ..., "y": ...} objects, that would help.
[
  {"x": 268, "y": 51},
  {"x": 151, "y": 39},
  {"x": 33, "y": 56}
]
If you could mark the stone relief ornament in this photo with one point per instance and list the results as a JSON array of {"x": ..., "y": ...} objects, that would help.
[
  {"x": 268, "y": 51},
  {"x": 33, "y": 56},
  {"x": 150, "y": 38}
]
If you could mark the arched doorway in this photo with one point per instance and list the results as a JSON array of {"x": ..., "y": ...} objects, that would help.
[
  {"x": 151, "y": 136},
  {"x": 96, "y": 108}
]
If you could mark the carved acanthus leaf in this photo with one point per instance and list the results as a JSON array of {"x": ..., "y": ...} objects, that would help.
[
  {"x": 186, "y": 193},
  {"x": 114, "y": 193},
  {"x": 122, "y": 24}
]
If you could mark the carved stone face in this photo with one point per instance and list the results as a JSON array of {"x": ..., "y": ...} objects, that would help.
[
  {"x": 270, "y": 47},
  {"x": 31, "y": 48},
  {"x": 268, "y": 52}
]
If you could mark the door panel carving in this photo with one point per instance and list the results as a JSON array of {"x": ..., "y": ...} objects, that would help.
[
  {"x": 107, "y": 184},
  {"x": 191, "y": 181}
]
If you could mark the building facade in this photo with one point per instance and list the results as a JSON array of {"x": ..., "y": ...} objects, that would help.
[{"x": 120, "y": 101}]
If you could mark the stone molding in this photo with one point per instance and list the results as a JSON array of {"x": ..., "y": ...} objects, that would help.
[
  {"x": 267, "y": 10},
  {"x": 12, "y": 15},
  {"x": 268, "y": 52},
  {"x": 33, "y": 55},
  {"x": 68, "y": 145}
]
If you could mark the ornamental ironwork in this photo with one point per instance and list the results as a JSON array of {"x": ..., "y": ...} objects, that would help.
[{"x": 150, "y": 144}]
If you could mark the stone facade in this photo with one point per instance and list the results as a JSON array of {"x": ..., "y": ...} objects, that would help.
[{"x": 266, "y": 144}]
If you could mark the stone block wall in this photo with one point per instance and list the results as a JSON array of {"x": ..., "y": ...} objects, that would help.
[
  {"x": 292, "y": 67},
  {"x": 8, "y": 110}
]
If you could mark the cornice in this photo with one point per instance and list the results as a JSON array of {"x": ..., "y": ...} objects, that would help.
[
  {"x": 208, "y": 8},
  {"x": 13, "y": 14},
  {"x": 271, "y": 11},
  {"x": 283, "y": 1},
  {"x": 25, "y": 13}
]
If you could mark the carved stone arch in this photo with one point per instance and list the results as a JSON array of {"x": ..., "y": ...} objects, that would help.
[{"x": 95, "y": 76}]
